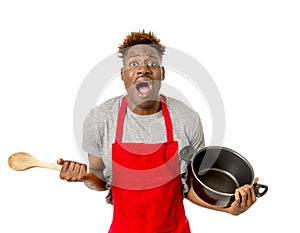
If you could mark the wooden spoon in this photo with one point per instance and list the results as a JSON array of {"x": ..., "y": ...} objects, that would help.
[{"x": 22, "y": 161}]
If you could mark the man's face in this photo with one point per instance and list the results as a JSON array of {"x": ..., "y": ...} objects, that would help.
[{"x": 142, "y": 74}]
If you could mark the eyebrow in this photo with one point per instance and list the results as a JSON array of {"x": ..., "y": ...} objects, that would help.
[{"x": 138, "y": 55}]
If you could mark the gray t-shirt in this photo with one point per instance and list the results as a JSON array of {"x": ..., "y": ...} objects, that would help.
[{"x": 100, "y": 127}]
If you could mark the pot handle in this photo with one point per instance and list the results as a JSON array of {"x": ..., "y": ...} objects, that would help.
[{"x": 260, "y": 189}]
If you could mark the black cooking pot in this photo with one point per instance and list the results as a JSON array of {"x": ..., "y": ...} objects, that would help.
[{"x": 218, "y": 172}]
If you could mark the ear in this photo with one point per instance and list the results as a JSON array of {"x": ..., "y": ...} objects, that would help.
[
  {"x": 162, "y": 73},
  {"x": 122, "y": 73}
]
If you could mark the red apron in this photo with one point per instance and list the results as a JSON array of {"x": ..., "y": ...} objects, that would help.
[{"x": 146, "y": 184}]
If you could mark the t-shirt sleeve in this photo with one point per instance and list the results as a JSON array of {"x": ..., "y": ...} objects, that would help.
[
  {"x": 91, "y": 142},
  {"x": 197, "y": 142},
  {"x": 197, "y": 138}
]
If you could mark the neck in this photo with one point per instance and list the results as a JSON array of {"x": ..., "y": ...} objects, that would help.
[{"x": 145, "y": 108}]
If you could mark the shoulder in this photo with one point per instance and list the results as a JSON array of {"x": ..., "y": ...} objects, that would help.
[
  {"x": 180, "y": 109},
  {"x": 186, "y": 123},
  {"x": 183, "y": 116},
  {"x": 105, "y": 110}
]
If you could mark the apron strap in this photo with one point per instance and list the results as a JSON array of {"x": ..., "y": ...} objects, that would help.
[
  {"x": 168, "y": 122},
  {"x": 120, "y": 122},
  {"x": 122, "y": 113}
]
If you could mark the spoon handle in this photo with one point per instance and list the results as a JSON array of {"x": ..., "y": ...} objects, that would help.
[{"x": 54, "y": 166}]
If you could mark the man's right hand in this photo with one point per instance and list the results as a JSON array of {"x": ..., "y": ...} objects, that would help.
[
  {"x": 77, "y": 172},
  {"x": 73, "y": 171}
]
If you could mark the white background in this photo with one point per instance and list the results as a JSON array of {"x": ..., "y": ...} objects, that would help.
[{"x": 250, "y": 48}]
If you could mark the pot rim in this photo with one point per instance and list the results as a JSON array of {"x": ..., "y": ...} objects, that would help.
[{"x": 226, "y": 149}]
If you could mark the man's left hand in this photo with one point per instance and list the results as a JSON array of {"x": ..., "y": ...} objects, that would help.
[{"x": 244, "y": 198}]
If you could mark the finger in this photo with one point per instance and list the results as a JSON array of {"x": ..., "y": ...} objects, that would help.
[
  {"x": 76, "y": 168},
  {"x": 249, "y": 195},
  {"x": 71, "y": 167},
  {"x": 64, "y": 169},
  {"x": 76, "y": 172},
  {"x": 83, "y": 172},
  {"x": 237, "y": 197},
  {"x": 253, "y": 195},
  {"x": 70, "y": 171},
  {"x": 243, "y": 194},
  {"x": 256, "y": 180}
]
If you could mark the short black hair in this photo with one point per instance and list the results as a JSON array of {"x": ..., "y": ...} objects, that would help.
[{"x": 141, "y": 37}]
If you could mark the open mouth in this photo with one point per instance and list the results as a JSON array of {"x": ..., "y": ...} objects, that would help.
[{"x": 144, "y": 88}]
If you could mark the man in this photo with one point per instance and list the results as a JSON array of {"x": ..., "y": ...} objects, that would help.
[{"x": 135, "y": 146}]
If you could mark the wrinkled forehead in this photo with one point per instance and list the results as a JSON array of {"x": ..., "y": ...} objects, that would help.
[{"x": 141, "y": 50}]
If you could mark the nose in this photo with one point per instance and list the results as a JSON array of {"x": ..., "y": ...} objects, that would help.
[{"x": 143, "y": 70}]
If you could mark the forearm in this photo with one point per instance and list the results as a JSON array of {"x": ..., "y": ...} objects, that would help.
[{"x": 95, "y": 181}]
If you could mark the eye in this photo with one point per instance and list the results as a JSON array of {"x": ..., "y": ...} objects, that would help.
[
  {"x": 152, "y": 64},
  {"x": 133, "y": 64}
]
